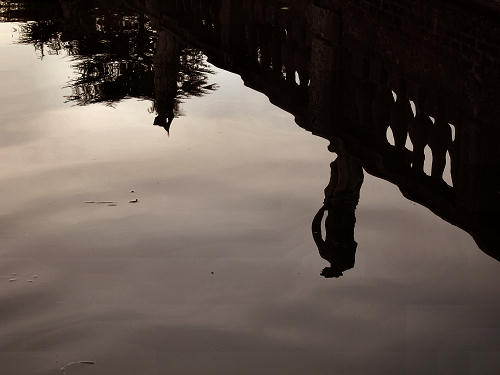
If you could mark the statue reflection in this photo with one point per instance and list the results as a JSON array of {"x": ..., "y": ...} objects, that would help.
[{"x": 341, "y": 198}]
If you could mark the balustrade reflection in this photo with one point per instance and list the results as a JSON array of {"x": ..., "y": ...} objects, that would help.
[{"x": 370, "y": 80}]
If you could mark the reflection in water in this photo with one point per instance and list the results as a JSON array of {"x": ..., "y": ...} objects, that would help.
[
  {"x": 341, "y": 199},
  {"x": 212, "y": 270},
  {"x": 314, "y": 66},
  {"x": 118, "y": 54}
]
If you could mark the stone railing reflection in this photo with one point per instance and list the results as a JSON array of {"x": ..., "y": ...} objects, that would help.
[
  {"x": 345, "y": 75},
  {"x": 266, "y": 42},
  {"x": 416, "y": 138},
  {"x": 410, "y": 87}
]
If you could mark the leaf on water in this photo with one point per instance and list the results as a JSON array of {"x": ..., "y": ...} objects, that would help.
[
  {"x": 63, "y": 369},
  {"x": 100, "y": 202}
]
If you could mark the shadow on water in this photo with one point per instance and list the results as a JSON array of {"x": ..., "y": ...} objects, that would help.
[{"x": 363, "y": 77}]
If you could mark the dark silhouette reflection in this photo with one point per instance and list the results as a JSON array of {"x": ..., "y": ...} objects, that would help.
[
  {"x": 167, "y": 61},
  {"x": 344, "y": 70},
  {"x": 118, "y": 54},
  {"x": 339, "y": 206}
]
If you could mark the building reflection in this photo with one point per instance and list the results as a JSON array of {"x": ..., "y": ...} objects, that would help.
[{"x": 348, "y": 73}]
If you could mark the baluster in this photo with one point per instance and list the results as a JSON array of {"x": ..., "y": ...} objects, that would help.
[
  {"x": 290, "y": 65},
  {"x": 456, "y": 156},
  {"x": 252, "y": 47},
  {"x": 400, "y": 117},
  {"x": 364, "y": 96},
  {"x": 265, "y": 48},
  {"x": 381, "y": 108},
  {"x": 440, "y": 140},
  {"x": 276, "y": 42},
  {"x": 303, "y": 77},
  {"x": 418, "y": 130}
]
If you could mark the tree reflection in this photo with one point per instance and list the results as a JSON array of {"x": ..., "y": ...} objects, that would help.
[{"x": 117, "y": 54}]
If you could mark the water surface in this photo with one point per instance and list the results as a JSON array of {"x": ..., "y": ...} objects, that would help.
[{"x": 214, "y": 269}]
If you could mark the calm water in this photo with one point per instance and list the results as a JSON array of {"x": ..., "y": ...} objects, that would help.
[{"x": 214, "y": 268}]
